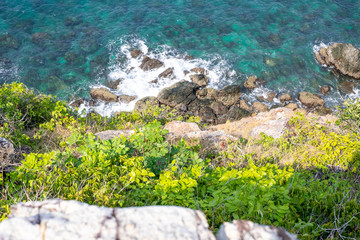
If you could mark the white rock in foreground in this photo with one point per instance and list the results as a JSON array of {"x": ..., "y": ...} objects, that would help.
[{"x": 57, "y": 219}]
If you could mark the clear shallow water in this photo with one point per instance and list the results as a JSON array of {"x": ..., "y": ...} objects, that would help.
[{"x": 87, "y": 42}]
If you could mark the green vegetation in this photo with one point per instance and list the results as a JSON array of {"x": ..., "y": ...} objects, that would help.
[{"x": 307, "y": 181}]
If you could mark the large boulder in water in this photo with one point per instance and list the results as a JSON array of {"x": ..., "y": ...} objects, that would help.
[
  {"x": 310, "y": 100},
  {"x": 148, "y": 64},
  {"x": 344, "y": 57},
  {"x": 103, "y": 94},
  {"x": 180, "y": 93},
  {"x": 200, "y": 79}
]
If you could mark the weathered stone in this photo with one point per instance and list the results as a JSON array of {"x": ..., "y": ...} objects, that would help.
[
  {"x": 146, "y": 102},
  {"x": 199, "y": 70},
  {"x": 246, "y": 230},
  {"x": 322, "y": 111},
  {"x": 60, "y": 219},
  {"x": 211, "y": 142},
  {"x": 292, "y": 106},
  {"x": 319, "y": 58},
  {"x": 285, "y": 97},
  {"x": 344, "y": 57},
  {"x": 113, "y": 84},
  {"x": 201, "y": 108},
  {"x": 268, "y": 97},
  {"x": 77, "y": 103},
  {"x": 6, "y": 151},
  {"x": 8, "y": 41},
  {"x": 243, "y": 105},
  {"x": 110, "y": 134},
  {"x": 229, "y": 95},
  {"x": 135, "y": 53},
  {"x": 148, "y": 64},
  {"x": 310, "y": 100},
  {"x": 253, "y": 82},
  {"x": 167, "y": 73},
  {"x": 236, "y": 113},
  {"x": 325, "y": 89},
  {"x": 178, "y": 129},
  {"x": 103, "y": 94},
  {"x": 126, "y": 98},
  {"x": 347, "y": 87},
  {"x": 182, "y": 92},
  {"x": 259, "y": 107},
  {"x": 200, "y": 79}
]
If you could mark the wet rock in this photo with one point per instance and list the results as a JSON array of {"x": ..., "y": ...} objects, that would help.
[
  {"x": 319, "y": 57},
  {"x": 73, "y": 58},
  {"x": 211, "y": 142},
  {"x": 310, "y": 100},
  {"x": 178, "y": 129},
  {"x": 60, "y": 219},
  {"x": 344, "y": 57},
  {"x": 135, "y": 53},
  {"x": 110, "y": 134},
  {"x": 285, "y": 98},
  {"x": 89, "y": 45},
  {"x": 322, "y": 111},
  {"x": 148, "y": 64},
  {"x": 292, "y": 106},
  {"x": 126, "y": 98},
  {"x": 72, "y": 21},
  {"x": 229, "y": 95},
  {"x": 269, "y": 97},
  {"x": 188, "y": 57},
  {"x": 103, "y": 94},
  {"x": 325, "y": 89},
  {"x": 243, "y": 105},
  {"x": 42, "y": 39},
  {"x": 253, "y": 82},
  {"x": 236, "y": 113},
  {"x": 182, "y": 92},
  {"x": 246, "y": 230},
  {"x": 167, "y": 73},
  {"x": 154, "y": 81},
  {"x": 259, "y": 107},
  {"x": 186, "y": 72},
  {"x": 9, "y": 41},
  {"x": 347, "y": 87},
  {"x": 113, "y": 84},
  {"x": 199, "y": 71},
  {"x": 146, "y": 102},
  {"x": 77, "y": 103},
  {"x": 200, "y": 79}
]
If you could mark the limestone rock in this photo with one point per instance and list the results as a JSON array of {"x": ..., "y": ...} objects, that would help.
[
  {"x": 103, "y": 94},
  {"x": 285, "y": 97},
  {"x": 182, "y": 92},
  {"x": 310, "y": 100},
  {"x": 135, "y": 53},
  {"x": 325, "y": 89},
  {"x": 200, "y": 79},
  {"x": 143, "y": 104},
  {"x": 211, "y": 142},
  {"x": 60, "y": 219},
  {"x": 343, "y": 56},
  {"x": 243, "y": 105},
  {"x": 178, "y": 129},
  {"x": 167, "y": 73},
  {"x": 253, "y": 82},
  {"x": 148, "y": 64},
  {"x": 292, "y": 106},
  {"x": 269, "y": 97},
  {"x": 229, "y": 95},
  {"x": 126, "y": 98},
  {"x": 110, "y": 134},
  {"x": 247, "y": 230},
  {"x": 347, "y": 87},
  {"x": 113, "y": 84},
  {"x": 259, "y": 107}
]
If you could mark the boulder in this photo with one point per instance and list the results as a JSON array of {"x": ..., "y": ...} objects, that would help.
[
  {"x": 347, "y": 87},
  {"x": 126, "y": 98},
  {"x": 201, "y": 108},
  {"x": 236, "y": 113},
  {"x": 323, "y": 111},
  {"x": 182, "y": 92},
  {"x": 103, "y": 94},
  {"x": 8, "y": 41},
  {"x": 144, "y": 103},
  {"x": 285, "y": 98},
  {"x": 77, "y": 103},
  {"x": 211, "y": 142},
  {"x": 60, "y": 219},
  {"x": 199, "y": 70},
  {"x": 148, "y": 64},
  {"x": 178, "y": 129},
  {"x": 200, "y": 79},
  {"x": 135, "y": 53},
  {"x": 310, "y": 100},
  {"x": 41, "y": 38},
  {"x": 113, "y": 84},
  {"x": 167, "y": 73},
  {"x": 325, "y": 89},
  {"x": 7, "y": 151},
  {"x": 110, "y": 134},
  {"x": 244, "y": 105},
  {"x": 229, "y": 95},
  {"x": 259, "y": 107},
  {"x": 218, "y": 108},
  {"x": 343, "y": 56},
  {"x": 268, "y": 97},
  {"x": 292, "y": 106},
  {"x": 253, "y": 82},
  {"x": 247, "y": 230}
]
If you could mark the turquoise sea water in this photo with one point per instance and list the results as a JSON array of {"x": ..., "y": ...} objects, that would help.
[{"x": 81, "y": 41}]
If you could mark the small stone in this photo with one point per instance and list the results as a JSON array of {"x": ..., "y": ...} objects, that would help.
[
  {"x": 186, "y": 72},
  {"x": 310, "y": 100},
  {"x": 154, "y": 81},
  {"x": 268, "y": 98},
  {"x": 77, "y": 103},
  {"x": 253, "y": 82},
  {"x": 259, "y": 107},
  {"x": 148, "y": 64},
  {"x": 285, "y": 98},
  {"x": 200, "y": 79},
  {"x": 126, "y": 98},
  {"x": 167, "y": 73},
  {"x": 136, "y": 53},
  {"x": 188, "y": 57},
  {"x": 325, "y": 89},
  {"x": 103, "y": 94}
]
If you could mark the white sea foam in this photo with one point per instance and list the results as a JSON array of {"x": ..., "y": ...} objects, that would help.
[{"x": 136, "y": 82}]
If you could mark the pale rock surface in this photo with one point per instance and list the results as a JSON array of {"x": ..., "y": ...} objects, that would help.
[
  {"x": 178, "y": 129},
  {"x": 7, "y": 152},
  {"x": 59, "y": 219},
  {"x": 246, "y": 230},
  {"x": 110, "y": 134}
]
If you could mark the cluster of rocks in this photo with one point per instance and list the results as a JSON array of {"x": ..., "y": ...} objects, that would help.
[{"x": 60, "y": 219}]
